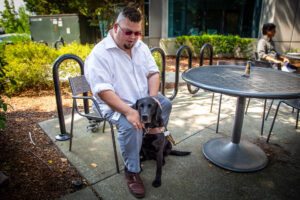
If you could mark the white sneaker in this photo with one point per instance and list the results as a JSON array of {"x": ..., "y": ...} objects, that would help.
[{"x": 287, "y": 69}]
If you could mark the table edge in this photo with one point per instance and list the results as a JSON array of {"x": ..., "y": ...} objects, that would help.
[{"x": 241, "y": 93}]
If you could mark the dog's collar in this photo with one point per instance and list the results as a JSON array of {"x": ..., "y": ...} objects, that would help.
[
  {"x": 161, "y": 130},
  {"x": 158, "y": 130}
]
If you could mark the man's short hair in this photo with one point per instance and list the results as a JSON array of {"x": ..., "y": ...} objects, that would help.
[
  {"x": 267, "y": 27},
  {"x": 130, "y": 13}
]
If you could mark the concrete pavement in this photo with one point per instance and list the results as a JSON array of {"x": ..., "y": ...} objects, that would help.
[{"x": 193, "y": 176}]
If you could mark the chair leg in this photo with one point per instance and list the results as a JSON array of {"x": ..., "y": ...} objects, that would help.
[
  {"x": 104, "y": 126},
  {"x": 273, "y": 121},
  {"x": 247, "y": 106},
  {"x": 297, "y": 118},
  {"x": 270, "y": 108},
  {"x": 263, "y": 118},
  {"x": 219, "y": 112},
  {"x": 72, "y": 122},
  {"x": 212, "y": 102},
  {"x": 114, "y": 146}
]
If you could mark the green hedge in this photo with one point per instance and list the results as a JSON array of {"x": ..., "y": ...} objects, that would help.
[
  {"x": 221, "y": 44},
  {"x": 158, "y": 59},
  {"x": 30, "y": 64}
]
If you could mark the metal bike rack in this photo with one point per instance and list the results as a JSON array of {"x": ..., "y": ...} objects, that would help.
[
  {"x": 63, "y": 134},
  {"x": 43, "y": 42},
  {"x": 61, "y": 40},
  {"x": 163, "y": 67},
  {"x": 178, "y": 54},
  {"x": 211, "y": 53}
]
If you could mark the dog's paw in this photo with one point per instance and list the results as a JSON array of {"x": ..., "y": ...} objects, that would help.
[{"x": 156, "y": 183}]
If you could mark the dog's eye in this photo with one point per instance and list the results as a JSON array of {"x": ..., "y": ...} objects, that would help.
[
  {"x": 149, "y": 105},
  {"x": 142, "y": 105}
]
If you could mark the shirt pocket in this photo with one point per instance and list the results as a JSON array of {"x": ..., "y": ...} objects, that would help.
[{"x": 142, "y": 67}]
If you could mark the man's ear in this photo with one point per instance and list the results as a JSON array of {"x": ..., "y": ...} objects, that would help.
[{"x": 115, "y": 27}]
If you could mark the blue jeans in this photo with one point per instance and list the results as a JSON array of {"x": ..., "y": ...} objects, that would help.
[{"x": 130, "y": 140}]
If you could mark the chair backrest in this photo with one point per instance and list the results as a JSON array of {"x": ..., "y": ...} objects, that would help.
[
  {"x": 79, "y": 85},
  {"x": 261, "y": 63},
  {"x": 222, "y": 62}
]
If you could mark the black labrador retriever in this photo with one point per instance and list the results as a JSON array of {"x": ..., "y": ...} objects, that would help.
[{"x": 156, "y": 144}]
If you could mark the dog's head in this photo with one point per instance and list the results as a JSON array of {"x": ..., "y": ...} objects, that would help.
[{"x": 150, "y": 111}]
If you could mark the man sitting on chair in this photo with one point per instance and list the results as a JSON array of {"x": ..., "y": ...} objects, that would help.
[
  {"x": 120, "y": 70},
  {"x": 266, "y": 50}
]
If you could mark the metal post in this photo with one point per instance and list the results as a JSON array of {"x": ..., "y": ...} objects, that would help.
[
  {"x": 63, "y": 134},
  {"x": 219, "y": 112},
  {"x": 211, "y": 52},
  {"x": 163, "y": 67},
  {"x": 263, "y": 118},
  {"x": 238, "y": 121}
]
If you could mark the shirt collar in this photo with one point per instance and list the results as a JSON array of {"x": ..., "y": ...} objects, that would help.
[
  {"x": 110, "y": 43},
  {"x": 266, "y": 38}
]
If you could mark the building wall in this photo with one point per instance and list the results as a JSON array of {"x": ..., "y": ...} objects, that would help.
[
  {"x": 155, "y": 22},
  {"x": 285, "y": 15},
  {"x": 295, "y": 42}
]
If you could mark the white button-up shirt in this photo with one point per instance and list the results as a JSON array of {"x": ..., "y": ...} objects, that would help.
[{"x": 110, "y": 68}]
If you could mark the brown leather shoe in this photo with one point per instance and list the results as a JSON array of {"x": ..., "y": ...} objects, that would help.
[{"x": 135, "y": 184}]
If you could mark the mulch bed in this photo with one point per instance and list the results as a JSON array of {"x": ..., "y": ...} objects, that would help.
[{"x": 35, "y": 167}]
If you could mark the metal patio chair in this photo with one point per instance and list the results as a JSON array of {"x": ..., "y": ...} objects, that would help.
[
  {"x": 294, "y": 103},
  {"x": 79, "y": 85},
  {"x": 241, "y": 63},
  {"x": 264, "y": 63}
]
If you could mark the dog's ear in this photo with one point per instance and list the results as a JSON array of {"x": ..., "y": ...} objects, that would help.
[
  {"x": 135, "y": 106},
  {"x": 158, "y": 113}
]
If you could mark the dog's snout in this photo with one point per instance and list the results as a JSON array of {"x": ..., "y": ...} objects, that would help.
[{"x": 144, "y": 118}]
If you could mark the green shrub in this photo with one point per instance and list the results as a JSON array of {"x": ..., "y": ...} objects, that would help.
[
  {"x": 221, "y": 44},
  {"x": 70, "y": 67},
  {"x": 3, "y": 82},
  {"x": 158, "y": 59},
  {"x": 29, "y": 64},
  {"x": 14, "y": 38}
]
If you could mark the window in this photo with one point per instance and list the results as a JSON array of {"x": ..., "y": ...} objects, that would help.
[
  {"x": 146, "y": 17},
  {"x": 236, "y": 17}
]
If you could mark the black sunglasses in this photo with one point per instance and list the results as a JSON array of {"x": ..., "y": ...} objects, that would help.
[{"x": 128, "y": 33}]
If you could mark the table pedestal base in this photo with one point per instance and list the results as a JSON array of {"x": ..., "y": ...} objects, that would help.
[{"x": 241, "y": 157}]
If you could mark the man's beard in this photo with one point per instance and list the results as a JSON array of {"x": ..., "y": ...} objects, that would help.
[{"x": 128, "y": 46}]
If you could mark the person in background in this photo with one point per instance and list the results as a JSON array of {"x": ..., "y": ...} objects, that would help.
[
  {"x": 266, "y": 50},
  {"x": 120, "y": 70}
]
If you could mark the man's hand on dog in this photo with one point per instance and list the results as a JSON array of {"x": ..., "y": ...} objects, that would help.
[{"x": 133, "y": 117}]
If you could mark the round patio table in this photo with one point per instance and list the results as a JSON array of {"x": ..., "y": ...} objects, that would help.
[{"x": 233, "y": 153}]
